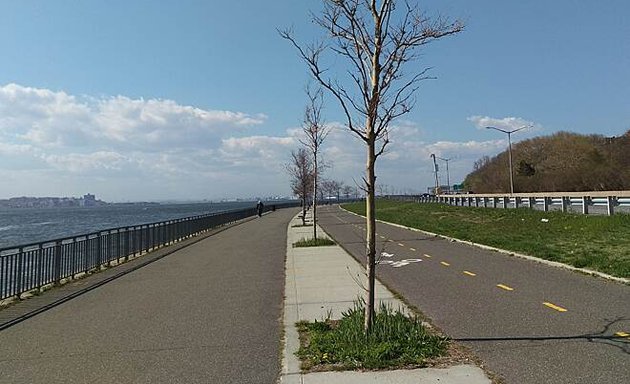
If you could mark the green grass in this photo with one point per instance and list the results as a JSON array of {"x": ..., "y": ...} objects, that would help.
[
  {"x": 600, "y": 243},
  {"x": 313, "y": 242},
  {"x": 396, "y": 341}
]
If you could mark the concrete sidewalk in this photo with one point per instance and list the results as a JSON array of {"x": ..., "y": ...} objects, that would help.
[{"x": 322, "y": 280}]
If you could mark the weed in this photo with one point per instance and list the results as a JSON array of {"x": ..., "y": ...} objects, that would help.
[
  {"x": 313, "y": 242},
  {"x": 396, "y": 341}
]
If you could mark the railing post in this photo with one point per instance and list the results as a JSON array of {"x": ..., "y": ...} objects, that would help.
[
  {"x": 546, "y": 204},
  {"x": 99, "y": 251},
  {"x": 505, "y": 201},
  {"x": 18, "y": 278},
  {"x": 517, "y": 202},
  {"x": 585, "y": 203},
  {"x": 40, "y": 265},
  {"x": 610, "y": 205},
  {"x": 57, "y": 261},
  {"x": 565, "y": 202}
]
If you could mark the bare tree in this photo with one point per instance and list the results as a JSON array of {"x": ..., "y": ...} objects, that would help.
[
  {"x": 377, "y": 40},
  {"x": 315, "y": 133},
  {"x": 301, "y": 171},
  {"x": 346, "y": 190}
]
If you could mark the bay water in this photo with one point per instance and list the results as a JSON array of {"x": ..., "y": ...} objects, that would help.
[{"x": 20, "y": 226}]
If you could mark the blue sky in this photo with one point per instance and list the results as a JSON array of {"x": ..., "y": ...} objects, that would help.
[{"x": 146, "y": 100}]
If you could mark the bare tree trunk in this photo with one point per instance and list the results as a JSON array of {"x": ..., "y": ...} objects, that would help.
[
  {"x": 315, "y": 197},
  {"x": 304, "y": 211},
  {"x": 370, "y": 238}
]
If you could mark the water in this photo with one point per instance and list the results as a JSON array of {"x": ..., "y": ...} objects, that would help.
[{"x": 26, "y": 225}]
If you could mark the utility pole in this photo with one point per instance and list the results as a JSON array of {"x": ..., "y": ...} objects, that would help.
[
  {"x": 435, "y": 170},
  {"x": 509, "y": 134},
  {"x": 448, "y": 177}
]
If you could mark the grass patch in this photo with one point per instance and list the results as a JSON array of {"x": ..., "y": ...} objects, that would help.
[
  {"x": 599, "y": 243},
  {"x": 319, "y": 242},
  {"x": 397, "y": 341}
]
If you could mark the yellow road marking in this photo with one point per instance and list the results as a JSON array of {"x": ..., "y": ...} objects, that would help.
[
  {"x": 390, "y": 240},
  {"x": 470, "y": 273},
  {"x": 553, "y": 306},
  {"x": 622, "y": 334},
  {"x": 425, "y": 255},
  {"x": 401, "y": 244},
  {"x": 413, "y": 249},
  {"x": 503, "y": 286},
  {"x": 444, "y": 263}
]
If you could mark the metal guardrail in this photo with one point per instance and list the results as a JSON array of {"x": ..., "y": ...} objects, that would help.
[
  {"x": 31, "y": 266},
  {"x": 583, "y": 202}
]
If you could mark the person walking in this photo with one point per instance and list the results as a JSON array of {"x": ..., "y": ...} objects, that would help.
[{"x": 259, "y": 208}]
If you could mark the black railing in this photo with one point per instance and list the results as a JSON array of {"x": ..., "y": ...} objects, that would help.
[{"x": 27, "y": 267}]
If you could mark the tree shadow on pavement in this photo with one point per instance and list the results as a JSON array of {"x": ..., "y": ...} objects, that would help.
[{"x": 603, "y": 336}]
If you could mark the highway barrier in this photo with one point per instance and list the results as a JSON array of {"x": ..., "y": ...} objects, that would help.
[{"x": 608, "y": 202}]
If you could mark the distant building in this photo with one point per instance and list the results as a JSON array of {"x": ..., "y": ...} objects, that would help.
[{"x": 89, "y": 200}]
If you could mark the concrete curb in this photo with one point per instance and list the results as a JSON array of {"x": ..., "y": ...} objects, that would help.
[{"x": 510, "y": 253}]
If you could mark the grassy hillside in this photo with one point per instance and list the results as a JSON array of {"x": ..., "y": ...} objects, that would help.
[
  {"x": 600, "y": 243},
  {"x": 563, "y": 161}
]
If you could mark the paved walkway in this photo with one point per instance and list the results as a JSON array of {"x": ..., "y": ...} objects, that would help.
[
  {"x": 209, "y": 313},
  {"x": 321, "y": 280}
]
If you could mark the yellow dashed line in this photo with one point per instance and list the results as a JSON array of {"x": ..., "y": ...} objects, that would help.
[
  {"x": 553, "y": 306},
  {"x": 503, "y": 286},
  {"x": 413, "y": 249},
  {"x": 622, "y": 334},
  {"x": 401, "y": 244},
  {"x": 470, "y": 273},
  {"x": 444, "y": 263},
  {"x": 425, "y": 255}
]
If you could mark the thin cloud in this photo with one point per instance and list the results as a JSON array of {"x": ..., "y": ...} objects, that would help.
[{"x": 506, "y": 123}]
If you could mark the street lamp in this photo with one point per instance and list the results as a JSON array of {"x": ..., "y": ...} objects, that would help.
[
  {"x": 448, "y": 178},
  {"x": 509, "y": 133}
]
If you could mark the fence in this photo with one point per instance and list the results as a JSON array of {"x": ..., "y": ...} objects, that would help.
[
  {"x": 31, "y": 266},
  {"x": 583, "y": 202}
]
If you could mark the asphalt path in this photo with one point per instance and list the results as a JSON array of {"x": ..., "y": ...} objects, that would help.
[
  {"x": 528, "y": 322},
  {"x": 208, "y": 313}
]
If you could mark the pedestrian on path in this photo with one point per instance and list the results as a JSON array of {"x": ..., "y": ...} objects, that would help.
[{"x": 260, "y": 207}]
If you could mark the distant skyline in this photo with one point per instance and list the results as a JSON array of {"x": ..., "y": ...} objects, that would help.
[{"x": 193, "y": 100}]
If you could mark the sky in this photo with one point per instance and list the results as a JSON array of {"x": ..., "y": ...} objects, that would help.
[{"x": 191, "y": 100}]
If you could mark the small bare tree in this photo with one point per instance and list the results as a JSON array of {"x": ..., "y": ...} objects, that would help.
[
  {"x": 300, "y": 168},
  {"x": 346, "y": 190},
  {"x": 378, "y": 40},
  {"x": 315, "y": 133}
]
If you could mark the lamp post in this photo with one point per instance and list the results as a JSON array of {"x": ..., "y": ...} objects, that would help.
[
  {"x": 509, "y": 134},
  {"x": 448, "y": 178}
]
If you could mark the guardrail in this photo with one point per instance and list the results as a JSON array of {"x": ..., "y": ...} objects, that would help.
[
  {"x": 607, "y": 202},
  {"x": 31, "y": 266}
]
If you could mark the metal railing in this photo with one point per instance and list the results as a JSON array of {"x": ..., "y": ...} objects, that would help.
[
  {"x": 31, "y": 266},
  {"x": 606, "y": 203}
]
